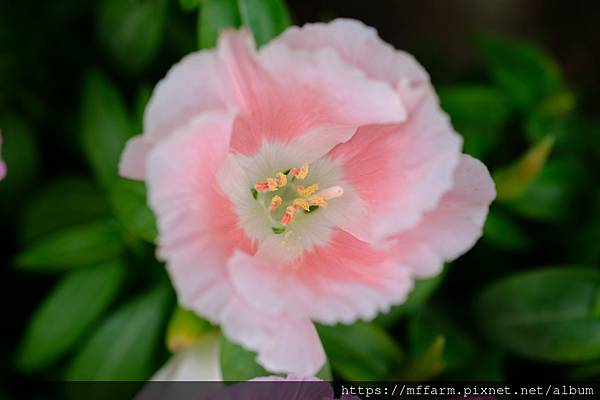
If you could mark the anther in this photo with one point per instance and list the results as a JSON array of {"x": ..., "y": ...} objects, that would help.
[
  {"x": 300, "y": 173},
  {"x": 275, "y": 203}
]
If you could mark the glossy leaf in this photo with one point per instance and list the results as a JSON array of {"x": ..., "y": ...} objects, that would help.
[
  {"x": 478, "y": 113},
  {"x": 237, "y": 363},
  {"x": 548, "y": 315},
  {"x": 20, "y": 153},
  {"x": 514, "y": 180},
  {"x": 524, "y": 71},
  {"x": 214, "y": 16},
  {"x": 61, "y": 203},
  {"x": 190, "y": 5},
  {"x": 68, "y": 312},
  {"x": 553, "y": 195},
  {"x": 124, "y": 346},
  {"x": 73, "y": 247},
  {"x": 422, "y": 291},
  {"x": 503, "y": 232},
  {"x": 128, "y": 200},
  {"x": 360, "y": 351},
  {"x": 266, "y": 18},
  {"x": 426, "y": 365},
  {"x": 104, "y": 126},
  {"x": 428, "y": 325},
  {"x": 131, "y": 31}
]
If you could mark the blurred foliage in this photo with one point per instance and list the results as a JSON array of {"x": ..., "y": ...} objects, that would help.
[{"x": 91, "y": 302}]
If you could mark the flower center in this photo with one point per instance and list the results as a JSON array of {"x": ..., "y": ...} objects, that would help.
[{"x": 287, "y": 199}]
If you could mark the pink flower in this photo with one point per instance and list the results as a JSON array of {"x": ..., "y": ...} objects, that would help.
[
  {"x": 2, "y": 164},
  {"x": 312, "y": 180}
]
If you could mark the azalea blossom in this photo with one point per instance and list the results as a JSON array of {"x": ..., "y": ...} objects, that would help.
[
  {"x": 2, "y": 164},
  {"x": 312, "y": 180}
]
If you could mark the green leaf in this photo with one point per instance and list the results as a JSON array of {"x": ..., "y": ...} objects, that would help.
[
  {"x": 428, "y": 325},
  {"x": 190, "y": 5},
  {"x": 73, "y": 247},
  {"x": 550, "y": 118},
  {"x": 124, "y": 346},
  {"x": 104, "y": 126},
  {"x": 61, "y": 203},
  {"x": 547, "y": 315},
  {"x": 524, "y": 71},
  {"x": 186, "y": 328},
  {"x": 21, "y": 155},
  {"x": 503, "y": 232},
  {"x": 237, "y": 363},
  {"x": 131, "y": 31},
  {"x": 128, "y": 200},
  {"x": 553, "y": 195},
  {"x": 266, "y": 18},
  {"x": 423, "y": 290},
  {"x": 514, "y": 180},
  {"x": 360, "y": 351},
  {"x": 478, "y": 113},
  {"x": 426, "y": 365},
  {"x": 141, "y": 101},
  {"x": 214, "y": 16},
  {"x": 325, "y": 372},
  {"x": 67, "y": 312}
]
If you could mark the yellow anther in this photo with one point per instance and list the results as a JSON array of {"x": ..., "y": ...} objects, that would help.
[
  {"x": 306, "y": 192},
  {"x": 275, "y": 203},
  {"x": 281, "y": 179},
  {"x": 302, "y": 203},
  {"x": 300, "y": 173},
  {"x": 317, "y": 201}
]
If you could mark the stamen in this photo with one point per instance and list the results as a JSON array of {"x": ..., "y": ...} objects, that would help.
[
  {"x": 288, "y": 215},
  {"x": 275, "y": 203},
  {"x": 306, "y": 192},
  {"x": 317, "y": 200},
  {"x": 300, "y": 173},
  {"x": 302, "y": 203},
  {"x": 331, "y": 192},
  {"x": 281, "y": 179},
  {"x": 270, "y": 185}
]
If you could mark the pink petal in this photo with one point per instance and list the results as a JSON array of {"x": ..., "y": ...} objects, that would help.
[
  {"x": 358, "y": 45},
  {"x": 133, "y": 159},
  {"x": 197, "y": 225},
  {"x": 401, "y": 171},
  {"x": 340, "y": 282},
  {"x": 283, "y": 343},
  {"x": 198, "y": 83},
  {"x": 453, "y": 227},
  {"x": 287, "y": 93}
]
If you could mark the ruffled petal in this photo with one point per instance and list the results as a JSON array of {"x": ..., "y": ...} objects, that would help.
[
  {"x": 283, "y": 343},
  {"x": 358, "y": 45},
  {"x": 401, "y": 171},
  {"x": 453, "y": 227},
  {"x": 292, "y": 92},
  {"x": 339, "y": 282},
  {"x": 133, "y": 160},
  {"x": 197, "y": 224}
]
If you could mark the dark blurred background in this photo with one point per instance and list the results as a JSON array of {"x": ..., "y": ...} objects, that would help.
[{"x": 47, "y": 48}]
